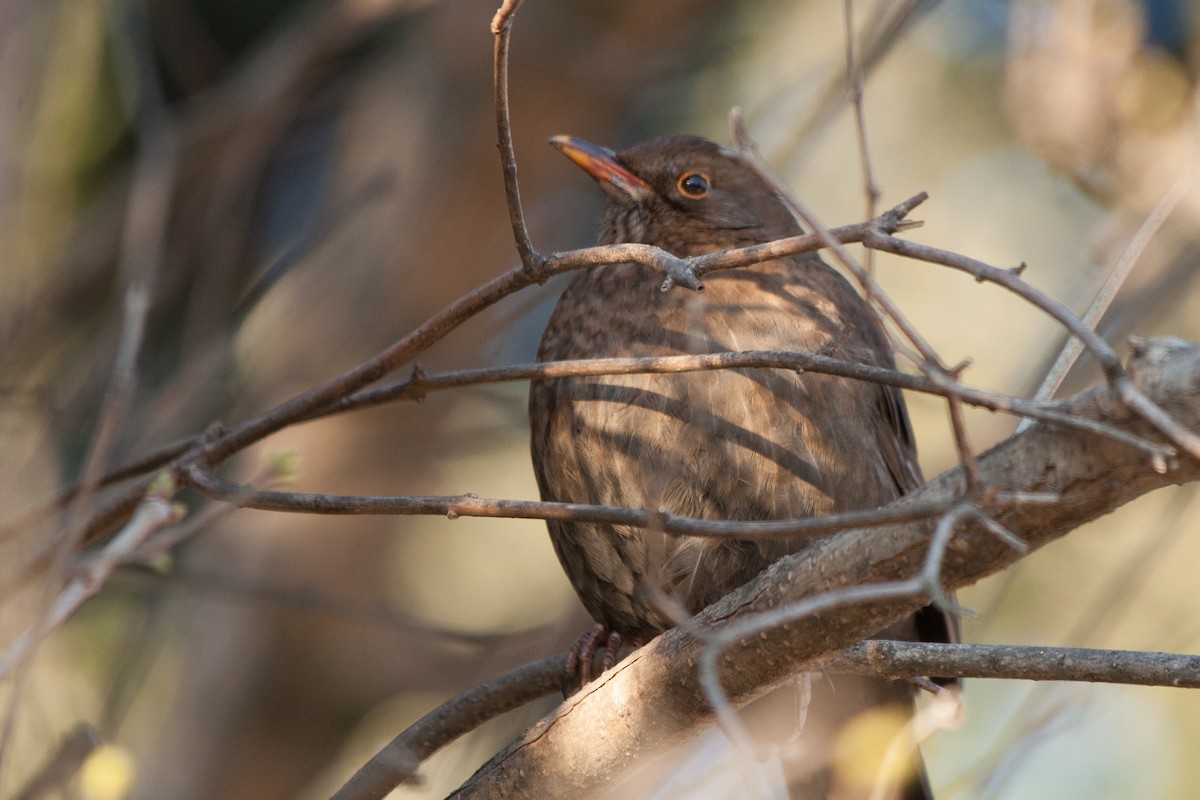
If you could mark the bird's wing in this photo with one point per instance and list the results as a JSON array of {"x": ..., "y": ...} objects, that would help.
[{"x": 896, "y": 441}]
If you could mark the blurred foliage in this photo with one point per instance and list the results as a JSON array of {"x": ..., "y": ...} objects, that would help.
[{"x": 327, "y": 178}]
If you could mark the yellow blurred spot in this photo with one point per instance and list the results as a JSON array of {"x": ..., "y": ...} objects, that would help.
[
  {"x": 163, "y": 484},
  {"x": 107, "y": 774},
  {"x": 874, "y": 746},
  {"x": 284, "y": 467}
]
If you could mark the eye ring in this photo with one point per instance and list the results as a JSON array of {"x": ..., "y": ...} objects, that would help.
[{"x": 694, "y": 185}]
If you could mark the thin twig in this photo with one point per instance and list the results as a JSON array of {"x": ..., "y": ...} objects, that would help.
[
  {"x": 145, "y": 464},
  {"x": 143, "y": 240},
  {"x": 1116, "y": 279},
  {"x": 854, "y": 77},
  {"x": 420, "y": 385},
  {"x": 930, "y": 363},
  {"x": 886, "y": 25},
  {"x": 758, "y": 624},
  {"x": 931, "y": 571},
  {"x": 927, "y": 583},
  {"x": 155, "y": 513},
  {"x": 311, "y": 404},
  {"x": 888, "y": 659},
  {"x": 502, "y": 31},
  {"x": 1110, "y": 363},
  {"x": 973, "y": 487},
  {"x": 455, "y": 506},
  {"x": 453, "y": 315},
  {"x": 1137, "y": 401}
]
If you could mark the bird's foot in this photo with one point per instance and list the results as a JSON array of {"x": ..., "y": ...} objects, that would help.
[{"x": 580, "y": 659}]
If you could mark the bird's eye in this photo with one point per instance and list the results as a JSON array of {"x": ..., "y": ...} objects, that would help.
[{"x": 694, "y": 184}]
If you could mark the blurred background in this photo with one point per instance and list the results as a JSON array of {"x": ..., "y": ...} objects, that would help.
[{"x": 302, "y": 183}]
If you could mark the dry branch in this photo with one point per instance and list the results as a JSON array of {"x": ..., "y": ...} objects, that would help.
[
  {"x": 654, "y": 699},
  {"x": 398, "y": 761},
  {"x": 1011, "y": 662}
]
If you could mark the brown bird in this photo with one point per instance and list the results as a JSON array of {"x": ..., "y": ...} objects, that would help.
[{"x": 750, "y": 444}]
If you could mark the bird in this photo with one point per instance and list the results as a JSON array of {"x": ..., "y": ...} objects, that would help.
[{"x": 730, "y": 444}]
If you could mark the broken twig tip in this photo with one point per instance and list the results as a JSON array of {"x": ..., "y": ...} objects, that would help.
[
  {"x": 503, "y": 17},
  {"x": 737, "y": 125}
]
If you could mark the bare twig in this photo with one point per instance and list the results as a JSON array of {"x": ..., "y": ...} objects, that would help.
[
  {"x": 205, "y": 482},
  {"x": 397, "y": 762},
  {"x": 149, "y": 463},
  {"x": 142, "y": 241},
  {"x": 1112, "y": 284},
  {"x": 1110, "y": 363},
  {"x": 1146, "y": 408},
  {"x": 314, "y": 403},
  {"x": 973, "y": 486},
  {"x": 720, "y": 639},
  {"x": 155, "y": 513},
  {"x": 532, "y": 260},
  {"x": 450, "y": 317},
  {"x": 929, "y": 578},
  {"x": 885, "y": 26},
  {"x": 854, "y": 78},
  {"x": 888, "y": 659},
  {"x": 929, "y": 363},
  {"x": 418, "y": 386}
]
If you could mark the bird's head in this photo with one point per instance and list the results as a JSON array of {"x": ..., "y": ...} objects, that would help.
[{"x": 685, "y": 194}]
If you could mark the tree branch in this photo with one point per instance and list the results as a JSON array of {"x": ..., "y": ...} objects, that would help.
[
  {"x": 421, "y": 383},
  {"x": 399, "y": 760},
  {"x": 531, "y": 259},
  {"x": 1010, "y": 279},
  {"x": 454, "y": 506},
  {"x": 222, "y": 442},
  {"x": 887, "y": 659},
  {"x": 654, "y": 698}
]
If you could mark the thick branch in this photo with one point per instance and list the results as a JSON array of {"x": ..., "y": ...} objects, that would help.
[
  {"x": 397, "y": 763},
  {"x": 654, "y": 699}
]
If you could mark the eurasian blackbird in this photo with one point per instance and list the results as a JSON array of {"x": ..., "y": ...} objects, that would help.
[{"x": 749, "y": 444}]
